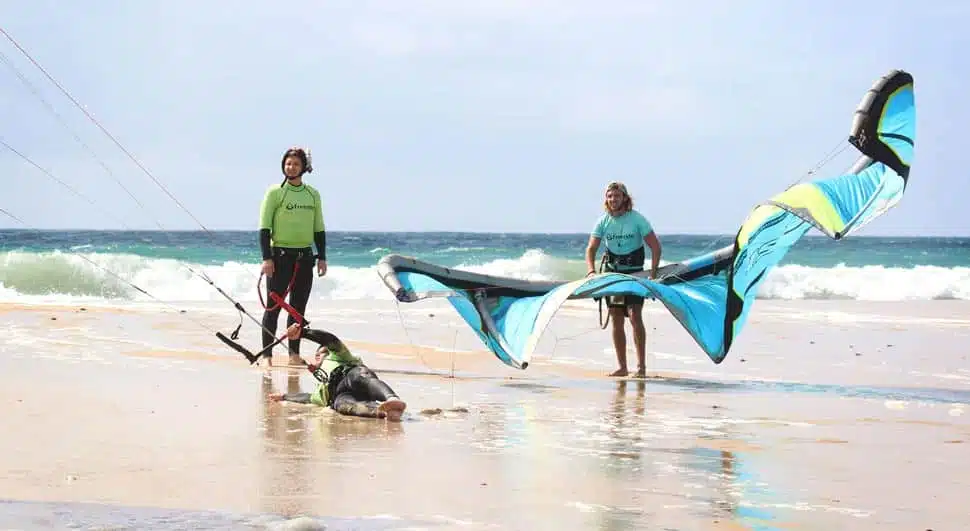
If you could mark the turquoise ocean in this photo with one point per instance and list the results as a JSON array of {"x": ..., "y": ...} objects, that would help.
[{"x": 55, "y": 266}]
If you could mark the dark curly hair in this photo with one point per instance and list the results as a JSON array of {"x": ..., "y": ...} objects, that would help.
[{"x": 301, "y": 154}]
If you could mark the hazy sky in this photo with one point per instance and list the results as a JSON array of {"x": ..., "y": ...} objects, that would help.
[{"x": 498, "y": 115}]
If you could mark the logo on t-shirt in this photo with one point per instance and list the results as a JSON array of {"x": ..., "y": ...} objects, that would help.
[
  {"x": 620, "y": 236},
  {"x": 291, "y": 206}
]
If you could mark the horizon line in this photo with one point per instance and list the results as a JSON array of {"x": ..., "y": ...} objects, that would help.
[{"x": 479, "y": 232}]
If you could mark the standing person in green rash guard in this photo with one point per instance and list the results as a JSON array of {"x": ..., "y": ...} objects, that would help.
[
  {"x": 290, "y": 222},
  {"x": 346, "y": 384},
  {"x": 625, "y": 232}
]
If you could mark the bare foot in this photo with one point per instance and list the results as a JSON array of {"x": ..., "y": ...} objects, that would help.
[
  {"x": 275, "y": 397},
  {"x": 619, "y": 372},
  {"x": 641, "y": 373},
  {"x": 393, "y": 408},
  {"x": 296, "y": 360}
]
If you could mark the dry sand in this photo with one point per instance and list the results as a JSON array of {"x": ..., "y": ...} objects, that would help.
[{"x": 826, "y": 415}]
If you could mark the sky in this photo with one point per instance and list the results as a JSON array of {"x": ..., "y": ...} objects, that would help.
[{"x": 497, "y": 116}]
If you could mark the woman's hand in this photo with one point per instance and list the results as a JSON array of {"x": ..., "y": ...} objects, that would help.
[{"x": 268, "y": 267}]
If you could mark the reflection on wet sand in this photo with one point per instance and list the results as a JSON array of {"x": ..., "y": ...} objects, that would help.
[
  {"x": 304, "y": 445},
  {"x": 625, "y": 452},
  {"x": 685, "y": 464},
  {"x": 284, "y": 482},
  {"x": 627, "y": 440},
  {"x": 648, "y": 458}
]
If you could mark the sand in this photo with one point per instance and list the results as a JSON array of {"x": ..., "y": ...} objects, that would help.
[{"x": 826, "y": 415}]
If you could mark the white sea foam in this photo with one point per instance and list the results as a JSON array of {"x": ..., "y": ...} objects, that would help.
[{"x": 63, "y": 277}]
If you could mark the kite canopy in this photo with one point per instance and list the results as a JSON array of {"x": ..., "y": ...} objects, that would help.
[{"x": 710, "y": 295}]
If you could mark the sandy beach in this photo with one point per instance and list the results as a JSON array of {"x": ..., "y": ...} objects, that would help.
[{"x": 826, "y": 415}]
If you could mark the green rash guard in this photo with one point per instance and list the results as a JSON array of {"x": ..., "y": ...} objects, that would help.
[
  {"x": 338, "y": 355},
  {"x": 292, "y": 214}
]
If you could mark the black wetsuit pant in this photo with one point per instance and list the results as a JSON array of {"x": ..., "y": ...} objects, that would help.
[
  {"x": 354, "y": 391},
  {"x": 359, "y": 392},
  {"x": 284, "y": 262}
]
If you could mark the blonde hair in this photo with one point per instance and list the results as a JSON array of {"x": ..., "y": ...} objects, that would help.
[{"x": 617, "y": 185}]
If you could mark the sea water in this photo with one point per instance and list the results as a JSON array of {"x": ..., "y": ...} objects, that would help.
[{"x": 56, "y": 266}]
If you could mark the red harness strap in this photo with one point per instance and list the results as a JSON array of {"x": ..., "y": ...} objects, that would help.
[
  {"x": 289, "y": 287},
  {"x": 286, "y": 306},
  {"x": 278, "y": 299},
  {"x": 296, "y": 315},
  {"x": 290, "y": 310}
]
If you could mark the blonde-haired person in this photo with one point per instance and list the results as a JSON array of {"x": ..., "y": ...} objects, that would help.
[{"x": 626, "y": 233}]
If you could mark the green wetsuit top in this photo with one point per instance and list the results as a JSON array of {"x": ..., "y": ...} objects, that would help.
[
  {"x": 293, "y": 217},
  {"x": 338, "y": 355}
]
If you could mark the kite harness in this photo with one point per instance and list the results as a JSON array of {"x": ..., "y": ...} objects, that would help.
[{"x": 621, "y": 263}]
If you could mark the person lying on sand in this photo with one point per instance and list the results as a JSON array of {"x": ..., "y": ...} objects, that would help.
[{"x": 346, "y": 384}]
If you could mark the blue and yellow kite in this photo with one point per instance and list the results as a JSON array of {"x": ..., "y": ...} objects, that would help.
[{"x": 710, "y": 295}]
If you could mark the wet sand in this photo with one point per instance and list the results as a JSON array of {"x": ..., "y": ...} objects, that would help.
[{"x": 826, "y": 415}]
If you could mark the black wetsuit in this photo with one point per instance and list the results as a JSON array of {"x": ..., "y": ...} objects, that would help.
[
  {"x": 284, "y": 263},
  {"x": 346, "y": 384}
]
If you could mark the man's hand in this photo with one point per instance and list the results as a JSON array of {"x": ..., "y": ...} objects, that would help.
[
  {"x": 321, "y": 268},
  {"x": 293, "y": 331},
  {"x": 268, "y": 267}
]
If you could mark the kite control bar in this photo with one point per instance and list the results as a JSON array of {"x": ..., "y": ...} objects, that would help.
[{"x": 253, "y": 358}]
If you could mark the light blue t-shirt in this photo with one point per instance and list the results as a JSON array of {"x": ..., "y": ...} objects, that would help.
[{"x": 622, "y": 234}]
